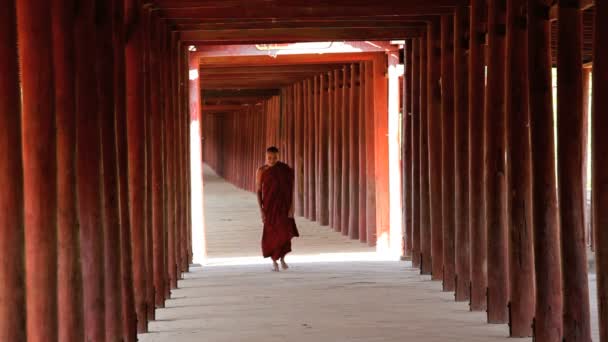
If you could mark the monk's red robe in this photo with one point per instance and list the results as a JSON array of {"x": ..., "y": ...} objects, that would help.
[{"x": 277, "y": 195}]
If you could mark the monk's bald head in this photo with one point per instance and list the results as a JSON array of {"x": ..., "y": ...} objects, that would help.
[{"x": 272, "y": 155}]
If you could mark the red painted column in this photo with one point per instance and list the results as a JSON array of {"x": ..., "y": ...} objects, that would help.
[
  {"x": 88, "y": 167},
  {"x": 323, "y": 170},
  {"x": 299, "y": 148},
  {"x": 576, "y": 315},
  {"x": 136, "y": 157},
  {"x": 478, "y": 286},
  {"x": 338, "y": 131},
  {"x": 425, "y": 215},
  {"x": 447, "y": 152},
  {"x": 461, "y": 163},
  {"x": 521, "y": 257},
  {"x": 586, "y": 155},
  {"x": 312, "y": 142},
  {"x": 345, "y": 113},
  {"x": 127, "y": 292},
  {"x": 39, "y": 169},
  {"x": 317, "y": 144},
  {"x": 370, "y": 141},
  {"x": 111, "y": 216},
  {"x": 381, "y": 148},
  {"x": 362, "y": 157},
  {"x": 407, "y": 150},
  {"x": 548, "y": 319},
  {"x": 495, "y": 165},
  {"x": 12, "y": 258},
  {"x": 353, "y": 141},
  {"x": 600, "y": 162},
  {"x": 306, "y": 141},
  {"x": 415, "y": 142},
  {"x": 331, "y": 121},
  {"x": 157, "y": 171},
  {"x": 434, "y": 151},
  {"x": 69, "y": 274}
]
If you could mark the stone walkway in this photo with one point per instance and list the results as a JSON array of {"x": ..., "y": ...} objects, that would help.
[{"x": 337, "y": 290}]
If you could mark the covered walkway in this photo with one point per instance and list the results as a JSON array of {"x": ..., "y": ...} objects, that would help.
[{"x": 336, "y": 290}]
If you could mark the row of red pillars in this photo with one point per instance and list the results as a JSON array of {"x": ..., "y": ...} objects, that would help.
[
  {"x": 329, "y": 129},
  {"x": 93, "y": 119},
  {"x": 485, "y": 212}
]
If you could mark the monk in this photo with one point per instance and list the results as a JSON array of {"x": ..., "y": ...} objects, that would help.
[{"x": 275, "y": 188}]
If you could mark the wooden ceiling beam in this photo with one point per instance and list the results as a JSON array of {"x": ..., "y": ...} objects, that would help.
[
  {"x": 229, "y": 93},
  {"x": 246, "y": 70},
  {"x": 298, "y": 35},
  {"x": 303, "y": 59},
  {"x": 244, "y": 25},
  {"x": 583, "y": 4},
  {"x": 214, "y": 4}
]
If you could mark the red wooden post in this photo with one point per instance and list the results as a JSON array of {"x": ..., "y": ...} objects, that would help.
[
  {"x": 338, "y": 132},
  {"x": 547, "y": 320},
  {"x": 447, "y": 151},
  {"x": 136, "y": 158},
  {"x": 330, "y": 147},
  {"x": 39, "y": 168},
  {"x": 344, "y": 127},
  {"x": 306, "y": 148},
  {"x": 521, "y": 249},
  {"x": 323, "y": 170},
  {"x": 434, "y": 148},
  {"x": 406, "y": 113},
  {"x": 12, "y": 258},
  {"x": 586, "y": 149},
  {"x": 317, "y": 144},
  {"x": 111, "y": 216},
  {"x": 299, "y": 149},
  {"x": 476, "y": 124},
  {"x": 157, "y": 171},
  {"x": 415, "y": 142},
  {"x": 312, "y": 150},
  {"x": 362, "y": 158},
  {"x": 425, "y": 215},
  {"x": 88, "y": 166},
  {"x": 69, "y": 283},
  {"x": 127, "y": 291},
  {"x": 600, "y": 162},
  {"x": 576, "y": 315},
  {"x": 370, "y": 139},
  {"x": 381, "y": 152},
  {"x": 495, "y": 165},
  {"x": 353, "y": 141},
  {"x": 461, "y": 163}
]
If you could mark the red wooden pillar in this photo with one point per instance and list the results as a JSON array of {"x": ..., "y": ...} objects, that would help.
[
  {"x": 111, "y": 216},
  {"x": 600, "y": 162},
  {"x": 338, "y": 131},
  {"x": 317, "y": 144},
  {"x": 447, "y": 151},
  {"x": 305, "y": 150},
  {"x": 88, "y": 166},
  {"x": 495, "y": 165},
  {"x": 353, "y": 141},
  {"x": 381, "y": 152},
  {"x": 344, "y": 178},
  {"x": 434, "y": 148},
  {"x": 362, "y": 159},
  {"x": 461, "y": 162},
  {"x": 136, "y": 158},
  {"x": 157, "y": 171},
  {"x": 415, "y": 142},
  {"x": 323, "y": 170},
  {"x": 330, "y": 147},
  {"x": 407, "y": 150},
  {"x": 476, "y": 123},
  {"x": 173, "y": 233},
  {"x": 586, "y": 155},
  {"x": 576, "y": 316},
  {"x": 127, "y": 291},
  {"x": 39, "y": 168},
  {"x": 425, "y": 215},
  {"x": 547, "y": 320},
  {"x": 370, "y": 152},
  {"x": 69, "y": 283},
  {"x": 521, "y": 249},
  {"x": 12, "y": 261},
  {"x": 312, "y": 151}
]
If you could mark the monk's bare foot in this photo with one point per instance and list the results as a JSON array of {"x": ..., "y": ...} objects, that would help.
[
  {"x": 275, "y": 266},
  {"x": 284, "y": 264}
]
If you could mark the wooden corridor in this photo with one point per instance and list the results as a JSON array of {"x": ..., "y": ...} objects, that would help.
[{"x": 235, "y": 298}]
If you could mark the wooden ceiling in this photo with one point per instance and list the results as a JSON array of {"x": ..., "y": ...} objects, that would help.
[{"x": 246, "y": 22}]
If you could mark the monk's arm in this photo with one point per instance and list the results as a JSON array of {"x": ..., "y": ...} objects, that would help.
[{"x": 258, "y": 184}]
